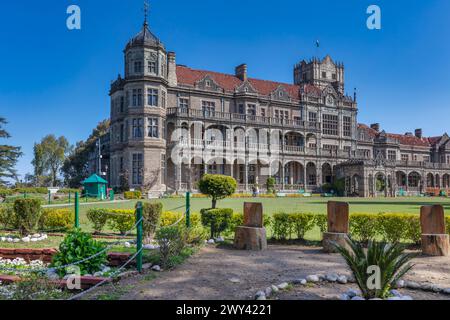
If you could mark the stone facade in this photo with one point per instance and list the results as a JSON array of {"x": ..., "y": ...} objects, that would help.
[{"x": 171, "y": 124}]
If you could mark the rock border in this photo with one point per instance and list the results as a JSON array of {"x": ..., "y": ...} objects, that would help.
[{"x": 350, "y": 294}]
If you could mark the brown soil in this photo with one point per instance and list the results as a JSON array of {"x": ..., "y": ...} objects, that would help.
[{"x": 221, "y": 273}]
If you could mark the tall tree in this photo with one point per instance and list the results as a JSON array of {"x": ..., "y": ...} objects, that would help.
[
  {"x": 9, "y": 155},
  {"x": 49, "y": 156},
  {"x": 75, "y": 168}
]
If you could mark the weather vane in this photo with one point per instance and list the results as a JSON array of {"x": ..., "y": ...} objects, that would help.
[{"x": 146, "y": 8}]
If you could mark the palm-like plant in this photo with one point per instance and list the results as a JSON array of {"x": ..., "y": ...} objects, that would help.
[{"x": 391, "y": 259}]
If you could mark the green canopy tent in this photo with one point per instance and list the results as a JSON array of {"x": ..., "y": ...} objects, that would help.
[{"x": 95, "y": 186}]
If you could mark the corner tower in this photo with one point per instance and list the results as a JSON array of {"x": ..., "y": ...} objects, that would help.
[{"x": 138, "y": 115}]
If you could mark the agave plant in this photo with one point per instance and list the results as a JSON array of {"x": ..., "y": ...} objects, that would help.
[{"x": 392, "y": 261}]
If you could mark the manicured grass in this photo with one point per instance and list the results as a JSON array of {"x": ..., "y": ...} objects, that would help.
[
  {"x": 315, "y": 204},
  {"x": 272, "y": 205}
]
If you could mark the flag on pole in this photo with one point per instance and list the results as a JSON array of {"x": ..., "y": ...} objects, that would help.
[{"x": 317, "y": 43}]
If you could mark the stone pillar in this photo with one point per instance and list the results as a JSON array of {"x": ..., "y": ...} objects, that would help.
[
  {"x": 338, "y": 226},
  {"x": 435, "y": 240},
  {"x": 282, "y": 176},
  {"x": 251, "y": 236},
  {"x": 246, "y": 174}
]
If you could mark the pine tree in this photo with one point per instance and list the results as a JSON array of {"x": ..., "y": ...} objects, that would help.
[{"x": 9, "y": 156}]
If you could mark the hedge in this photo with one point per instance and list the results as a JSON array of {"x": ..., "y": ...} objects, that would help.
[
  {"x": 132, "y": 195},
  {"x": 56, "y": 219},
  {"x": 390, "y": 227}
]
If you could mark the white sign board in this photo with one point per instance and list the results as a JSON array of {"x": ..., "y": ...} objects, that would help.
[{"x": 53, "y": 190}]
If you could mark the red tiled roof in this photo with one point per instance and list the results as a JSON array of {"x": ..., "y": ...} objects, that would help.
[
  {"x": 373, "y": 133},
  {"x": 409, "y": 140},
  {"x": 402, "y": 138},
  {"x": 188, "y": 76}
]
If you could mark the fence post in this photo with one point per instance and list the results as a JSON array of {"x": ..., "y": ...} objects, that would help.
[
  {"x": 69, "y": 196},
  {"x": 77, "y": 211},
  {"x": 139, "y": 236},
  {"x": 49, "y": 197},
  {"x": 188, "y": 209},
  {"x": 111, "y": 195},
  {"x": 24, "y": 195}
]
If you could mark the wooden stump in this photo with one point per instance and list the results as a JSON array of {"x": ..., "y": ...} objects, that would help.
[
  {"x": 329, "y": 238},
  {"x": 338, "y": 217},
  {"x": 248, "y": 238},
  {"x": 435, "y": 244}
]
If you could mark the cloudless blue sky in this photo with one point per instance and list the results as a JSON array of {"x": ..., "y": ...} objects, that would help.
[{"x": 56, "y": 81}]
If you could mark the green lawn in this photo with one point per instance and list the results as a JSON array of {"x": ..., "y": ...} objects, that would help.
[
  {"x": 314, "y": 204},
  {"x": 272, "y": 205}
]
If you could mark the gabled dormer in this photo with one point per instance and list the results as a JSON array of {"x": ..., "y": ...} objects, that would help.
[{"x": 208, "y": 83}]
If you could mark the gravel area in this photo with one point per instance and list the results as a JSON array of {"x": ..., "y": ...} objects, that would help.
[{"x": 221, "y": 273}]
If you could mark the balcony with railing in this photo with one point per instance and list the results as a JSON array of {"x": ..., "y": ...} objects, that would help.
[{"x": 241, "y": 118}]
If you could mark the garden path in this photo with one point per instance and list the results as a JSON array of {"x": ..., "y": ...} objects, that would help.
[{"x": 219, "y": 273}]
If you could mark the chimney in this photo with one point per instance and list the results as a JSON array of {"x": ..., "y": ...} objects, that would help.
[
  {"x": 409, "y": 134},
  {"x": 172, "y": 69},
  {"x": 241, "y": 72},
  {"x": 375, "y": 126},
  {"x": 418, "y": 133}
]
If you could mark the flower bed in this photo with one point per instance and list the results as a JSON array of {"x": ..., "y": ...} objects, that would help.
[{"x": 21, "y": 265}]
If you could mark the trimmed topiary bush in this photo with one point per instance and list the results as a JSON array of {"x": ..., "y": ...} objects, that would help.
[
  {"x": 28, "y": 213},
  {"x": 98, "y": 218},
  {"x": 217, "y": 187}
]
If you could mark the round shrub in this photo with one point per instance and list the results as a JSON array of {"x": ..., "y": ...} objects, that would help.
[{"x": 121, "y": 220}]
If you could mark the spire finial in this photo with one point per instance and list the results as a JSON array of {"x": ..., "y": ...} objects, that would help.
[{"x": 146, "y": 9}]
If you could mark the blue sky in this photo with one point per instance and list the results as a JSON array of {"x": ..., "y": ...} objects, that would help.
[{"x": 56, "y": 81}]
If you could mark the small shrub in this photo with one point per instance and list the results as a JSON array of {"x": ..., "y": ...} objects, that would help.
[
  {"x": 413, "y": 231},
  {"x": 132, "y": 195},
  {"x": 151, "y": 213},
  {"x": 302, "y": 223},
  {"x": 321, "y": 221},
  {"x": 98, "y": 218},
  {"x": 363, "y": 226},
  {"x": 170, "y": 243},
  {"x": 391, "y": 260},
  {"x": 8, "y": 219},
  {"x": 392, "y": 226},
  {"x": 76, "y": 246},
  {"x": 121, "y": 220},
  {"x": 56, "y": 219},
  {"x": 270, "y": 185},
  {"x": 282, "y": 225},
  {"x": 218, "y": 220},
  {"x": 168, "y": 218},
  {"x": 28, "y": 212},
  {"x": 447, "y": 222}
]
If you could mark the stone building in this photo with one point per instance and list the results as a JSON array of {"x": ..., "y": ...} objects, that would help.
[{"x": 171, "y": 124}]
